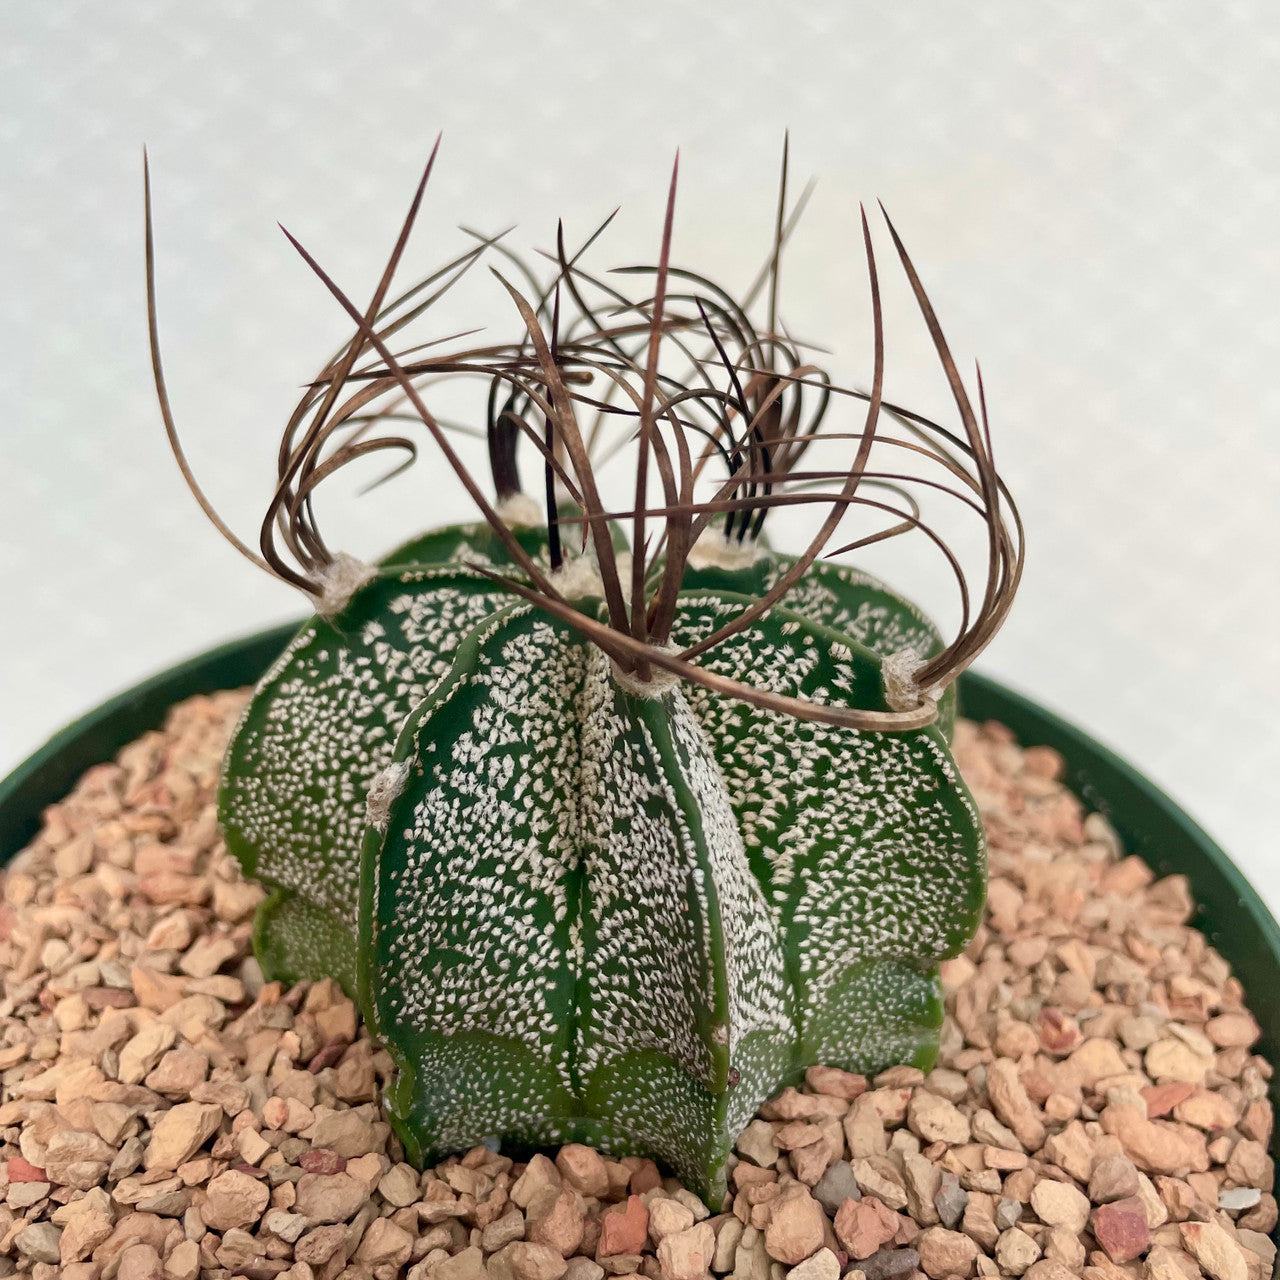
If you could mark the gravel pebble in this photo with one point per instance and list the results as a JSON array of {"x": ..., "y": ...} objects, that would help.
[
  {"x": 836, "y": 1186},
  {"x": 890, "y": 1263}
]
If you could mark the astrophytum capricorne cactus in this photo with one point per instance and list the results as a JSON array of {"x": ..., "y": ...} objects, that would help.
[{"x": 614, "y": 836}]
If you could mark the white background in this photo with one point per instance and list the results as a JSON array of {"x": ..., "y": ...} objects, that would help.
[{"x": 1091, "y": 191}]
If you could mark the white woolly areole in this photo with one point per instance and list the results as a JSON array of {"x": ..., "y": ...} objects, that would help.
[
  {"x": 901, "y": 691},
  {"x": 660, "y": 679},
  {"x": 577, "y": 577},
  {"x": 714, "y": 551},
  {"x": 519, "y": 510},
  {"x": 340, "y": 581},
  {"x": 384, "y": 790}
]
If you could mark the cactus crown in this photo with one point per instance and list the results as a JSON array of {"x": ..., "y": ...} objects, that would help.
[{"x": 612, "y": 835}]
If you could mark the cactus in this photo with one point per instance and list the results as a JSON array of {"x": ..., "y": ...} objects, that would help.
[{"x": 613, "y": 837}]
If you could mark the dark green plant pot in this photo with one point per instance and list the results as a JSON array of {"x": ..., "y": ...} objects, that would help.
[{"x": 1230, "y": 913}]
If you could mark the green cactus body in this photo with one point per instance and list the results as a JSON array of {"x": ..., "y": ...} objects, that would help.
[{"x": 589, "y": 915}]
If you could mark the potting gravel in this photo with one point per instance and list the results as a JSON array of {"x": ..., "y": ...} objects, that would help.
[{"x": 167, "y": 1115}]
